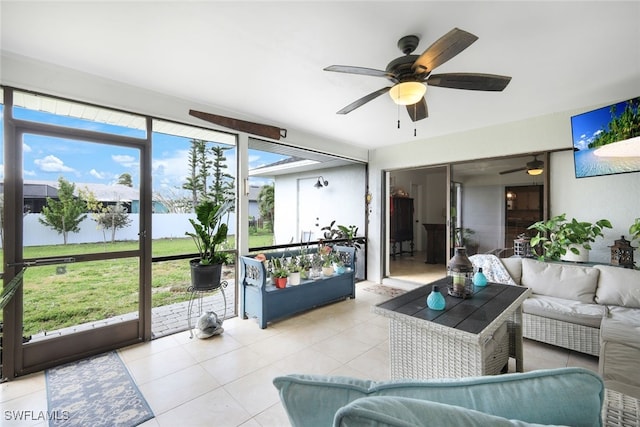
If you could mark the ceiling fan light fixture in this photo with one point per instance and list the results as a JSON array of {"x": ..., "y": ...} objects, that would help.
[
  {"x": 535, "y": 171},
  {"x": 535, "y": 167},
  {"x": 407, "y": 93}
]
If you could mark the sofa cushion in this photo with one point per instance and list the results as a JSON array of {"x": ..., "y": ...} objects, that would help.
[
  {"x": 618, "y": 286},
  {"x": 560, "y": 280},
  {"x": 565, "y": 310},
  {"x": 570, "y": 396},
  {"x": 392, "y": 411},
  {"x": 514, "y": 267}
]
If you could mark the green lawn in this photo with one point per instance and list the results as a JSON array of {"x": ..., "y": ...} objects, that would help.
[{"x": 96, "y": 290}]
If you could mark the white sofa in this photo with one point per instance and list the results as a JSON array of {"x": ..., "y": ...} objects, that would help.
[{"x": 590, "y": 309}]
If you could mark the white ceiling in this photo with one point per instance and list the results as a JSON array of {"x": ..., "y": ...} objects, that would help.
[{"x": 264, "y": 61}]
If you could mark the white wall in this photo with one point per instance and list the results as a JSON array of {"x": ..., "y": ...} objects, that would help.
[
  {"x": 615, "y": 197},
  {"x": 300, "y": 206},
  {"x": 164, "y": 226}
]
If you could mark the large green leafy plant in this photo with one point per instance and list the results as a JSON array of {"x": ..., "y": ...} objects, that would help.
[
  {"x": 634, "y": 229},
  {"x": 210, "y": 230},
  {"x": 558, "y": 235}
]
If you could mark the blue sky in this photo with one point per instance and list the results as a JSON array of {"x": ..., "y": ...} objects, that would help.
[
  {"x": 46, "y": 158},
  {"x": 585, "y": 127}
]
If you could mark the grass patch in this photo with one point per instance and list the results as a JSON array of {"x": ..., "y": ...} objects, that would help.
[{"x": 96, "y": 290}]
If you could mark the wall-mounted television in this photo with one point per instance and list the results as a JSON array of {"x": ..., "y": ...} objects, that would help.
[{"x": 606, "y": 141}]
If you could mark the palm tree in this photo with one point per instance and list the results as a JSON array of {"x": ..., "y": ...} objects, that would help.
[{"x": 265, "y": 204}]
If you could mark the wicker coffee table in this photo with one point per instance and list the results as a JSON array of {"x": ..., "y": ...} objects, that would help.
[{"x": 471, "y": 337}]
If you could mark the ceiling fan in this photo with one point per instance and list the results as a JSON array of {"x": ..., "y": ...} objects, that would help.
[
  {"x": 534, "y": 167},
  {"x": 411, "y": 74}
]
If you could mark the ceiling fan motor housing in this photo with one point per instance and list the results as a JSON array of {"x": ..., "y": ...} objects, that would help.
[{"x": 401, "y": 68}]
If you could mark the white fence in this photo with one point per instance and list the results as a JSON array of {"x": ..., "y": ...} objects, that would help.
[{"x": 164, "y": 226}]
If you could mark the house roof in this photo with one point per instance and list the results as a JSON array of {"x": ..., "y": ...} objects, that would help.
[
  {"x": 102, "y": 192},
  {"x": 263, "y": 61}
]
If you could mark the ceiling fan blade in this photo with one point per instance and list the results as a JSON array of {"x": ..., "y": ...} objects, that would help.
[
  {"x": 470, "y": 81},
  {"x": 360, "y": 102},
  {"x": 513, "y": 170},
  {"x": 443, "y": 49},
  {"x": 418, "y": 111},
  {"x": 360, "y": 70}
]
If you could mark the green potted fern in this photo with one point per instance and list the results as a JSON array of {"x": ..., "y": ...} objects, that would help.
[
  {"x": 561, "y": 239},
  {"x": 210, "y": 231}
]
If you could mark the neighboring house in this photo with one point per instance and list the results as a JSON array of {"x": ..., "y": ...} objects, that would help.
[{"x": 35, "y": 194}]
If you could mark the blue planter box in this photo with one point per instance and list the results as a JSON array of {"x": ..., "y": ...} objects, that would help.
[{"x": 267, "y": 303}]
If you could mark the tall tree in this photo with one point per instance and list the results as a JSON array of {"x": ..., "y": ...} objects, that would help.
[
  {"x": 113, "y": 217},
  {"x": 66, "y": 213},
  {"x": 266, "y": 204},
  {"x": 125, "y": 179},
  {"x": 199, "y": 166},
  {"x": 110, "y": 217},
  {"x": 222, "y": 187}
]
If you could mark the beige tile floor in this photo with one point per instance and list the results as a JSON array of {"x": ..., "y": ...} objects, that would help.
[{"x": 226, "y": 380}]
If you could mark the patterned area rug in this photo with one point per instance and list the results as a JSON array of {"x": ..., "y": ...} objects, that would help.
[
  {"x": 97, "y": 391},
  {"x": 385, "y": 290}
]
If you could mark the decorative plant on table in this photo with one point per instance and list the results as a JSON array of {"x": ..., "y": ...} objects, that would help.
[
  {"x": 558, "y": 236},
  {"x": 210, "y": 232}
]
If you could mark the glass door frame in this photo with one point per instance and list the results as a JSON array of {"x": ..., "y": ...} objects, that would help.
[{"x": 19, "y": 358}]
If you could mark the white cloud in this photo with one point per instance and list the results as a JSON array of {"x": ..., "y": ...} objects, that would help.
[
  {"x": 97, "y": 174},
  {"x": 52, "y": 164},
  {"x": 124, "y": 160},
  {"x": 26, "y": 148}
]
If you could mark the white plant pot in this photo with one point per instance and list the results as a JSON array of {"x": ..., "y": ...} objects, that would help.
[
  {"x": 294, "y": 278},
  {"x": 583, "y": 256},
  {"x": 327, "y": 271}
]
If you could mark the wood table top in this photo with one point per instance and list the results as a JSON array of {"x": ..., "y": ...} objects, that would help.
[{"x": 472, "y": 314}]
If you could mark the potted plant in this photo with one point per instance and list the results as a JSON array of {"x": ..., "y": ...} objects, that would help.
[
  {"x": 280, "y": 274},
  {"x": 295, "y": 271},
  {"x": 559, "y": 238},
  {"x": 326, "y": 254},
  {"x": 339, "y": 264},
  {"x": 634, "y": 230},
  {"x": 209, "y": 233}
]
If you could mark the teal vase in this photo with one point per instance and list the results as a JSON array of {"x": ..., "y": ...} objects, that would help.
[
  {"x": 435, "y": 300},
  {"x": 479, "y": 279}
]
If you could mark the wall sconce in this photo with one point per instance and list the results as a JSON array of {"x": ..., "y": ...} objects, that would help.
[{"x": 321, "y": 182}]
